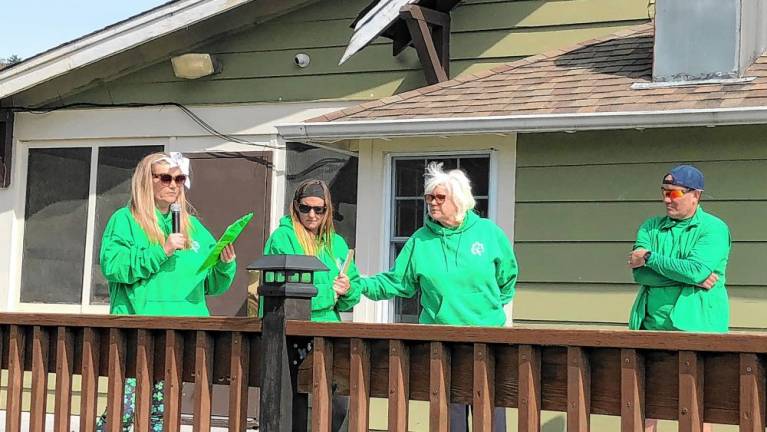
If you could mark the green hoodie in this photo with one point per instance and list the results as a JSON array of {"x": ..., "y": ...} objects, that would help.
[
  {"x": 283, "y": 241},
  {"x": 466, "y": 274},
  {"x": 145, "y": 281},
  {"x": 684, "y": 254}
]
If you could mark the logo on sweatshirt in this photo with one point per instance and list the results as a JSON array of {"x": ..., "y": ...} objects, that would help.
[
  {"x": 477, "y": 249},
  {"x": 195, "y": 246}
]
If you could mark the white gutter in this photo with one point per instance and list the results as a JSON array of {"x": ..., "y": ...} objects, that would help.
[
  {"x": 110, "y": 41},
  {"x": 521, "y": 123}
]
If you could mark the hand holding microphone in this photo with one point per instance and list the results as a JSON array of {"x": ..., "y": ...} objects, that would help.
[{"x": 175, "y": 240}]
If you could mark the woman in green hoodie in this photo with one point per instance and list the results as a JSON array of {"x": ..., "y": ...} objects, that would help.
[
  {"x": 462, "y": 264},
  {"x": 153, "y": 271},
  {"x": 309, "y": 230}
]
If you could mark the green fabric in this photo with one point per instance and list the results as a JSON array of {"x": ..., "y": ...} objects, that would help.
[
  {"x": 466, "y": 274},
  {"x": 684, "y": 254},
  {"x": 325, "y": 308},
  {"x": 144, "y": 281}
]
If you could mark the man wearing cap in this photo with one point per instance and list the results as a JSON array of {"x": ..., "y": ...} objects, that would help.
[{"x": 679, "y": 261}]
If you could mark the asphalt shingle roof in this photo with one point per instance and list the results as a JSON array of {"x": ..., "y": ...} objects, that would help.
[{"x": 592, "y": 76}]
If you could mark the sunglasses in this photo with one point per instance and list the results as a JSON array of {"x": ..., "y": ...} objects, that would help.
[
  {"x": 166, "y": 179},
  {"x": 674, "y": 194},
  {"x": 305, "y": 209},
  {"x": 436, "y": 198}
]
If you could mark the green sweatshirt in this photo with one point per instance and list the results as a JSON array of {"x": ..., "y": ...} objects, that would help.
[
  {"x": 145, "y": 281},
  {"x": 466, "y": 274},
  {"x": 684, "y": 254},
  {"x": 325, "y": 308}
]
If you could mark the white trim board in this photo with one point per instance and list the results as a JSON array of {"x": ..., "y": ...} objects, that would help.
[
  {"x": 339, "y": 130},
  {"x": 110, "y": 41}
]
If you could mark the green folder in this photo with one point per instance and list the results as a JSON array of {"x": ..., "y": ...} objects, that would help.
[{"x": 229, "y": 236}]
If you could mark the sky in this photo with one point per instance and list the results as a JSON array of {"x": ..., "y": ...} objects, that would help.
[{"x": 29, "y": 27}]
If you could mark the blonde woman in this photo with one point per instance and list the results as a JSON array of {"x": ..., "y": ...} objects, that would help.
[
  {"x": 150, "y": 269},
  {"x": 308, "y": 230}
]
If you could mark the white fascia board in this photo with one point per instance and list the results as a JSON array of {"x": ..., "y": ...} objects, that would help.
[
  {"x": 110, "y": 41},
  {"x": 522, "y": 123}
]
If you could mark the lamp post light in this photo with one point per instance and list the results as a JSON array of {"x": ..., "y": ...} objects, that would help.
[{"x": 287, "y": 289}]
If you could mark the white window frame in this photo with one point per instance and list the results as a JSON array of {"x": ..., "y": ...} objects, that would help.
[
  {"x": 85, "y": 306},
  {"x": 385, "y": 310}
]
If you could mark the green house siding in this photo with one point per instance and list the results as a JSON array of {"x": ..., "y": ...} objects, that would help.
[
  {"x": 581, "y": 197},
  {"x": 258, "y": 63}
]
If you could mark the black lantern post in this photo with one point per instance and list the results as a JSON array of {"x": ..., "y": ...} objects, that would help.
[{"x": 286, "y": 289}]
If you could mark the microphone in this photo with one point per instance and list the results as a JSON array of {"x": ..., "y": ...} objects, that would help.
[{"x": 175, "y": 210}]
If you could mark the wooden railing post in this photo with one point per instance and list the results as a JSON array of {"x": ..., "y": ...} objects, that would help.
[{"x": 287, "y": 290}]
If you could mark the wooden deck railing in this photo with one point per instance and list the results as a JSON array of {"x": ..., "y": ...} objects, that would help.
[{"x": 691, "y": 378}]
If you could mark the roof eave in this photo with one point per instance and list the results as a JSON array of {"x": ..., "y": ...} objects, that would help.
[
  {"x": 112, "y": 40},
  {"x": 338, "y": 130}
]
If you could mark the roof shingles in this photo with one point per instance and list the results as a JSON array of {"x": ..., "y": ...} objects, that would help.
[{"x": 593, "y": 76}]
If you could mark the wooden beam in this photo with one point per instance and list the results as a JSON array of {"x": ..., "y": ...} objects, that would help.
[
  {"x": 15, "y": 378},
  {"x": 65, "y": 342},
  {"x": 752, "y": 393},
  {"x": 483, "y": 407},
  {"x": 37, "y": 414},
  {"x": 529, "y": 389},
  {"x": 144, "y": 380},
  {"x": 399, "y": 385},
  {"x": 690, "y": 392},
  {"x": 116, "y": 387},
  {"x": 174, "y": 367},
  {"x": 359, "y": 386},
  {"x": 578, "y": 390},
  {"x": 322, "y": 389},
  {"x": 430, "y": 33},
  {"x": 632, "y": 391},
  {"x": 203, "y": 382},
  {"x": 90, "y": 379},
  {"x": 238, "y": 386},
  {"x": 439, "y": 386}
]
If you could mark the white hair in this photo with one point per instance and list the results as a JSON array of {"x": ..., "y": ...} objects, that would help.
[{"x": 457, "y": 184}]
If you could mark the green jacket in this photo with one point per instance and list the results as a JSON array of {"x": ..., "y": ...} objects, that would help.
[
  {"x": 466, "y": 274},
  {"x": 684, "y": 254},
  {"x": 283, "y": 241},
  {"x": 145, "y": 281}
]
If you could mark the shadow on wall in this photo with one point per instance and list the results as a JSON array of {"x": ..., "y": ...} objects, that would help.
[{"x": 556, "y": 424}]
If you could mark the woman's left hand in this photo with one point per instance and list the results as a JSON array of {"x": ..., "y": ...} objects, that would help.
[{"x": 227, "y": 255}]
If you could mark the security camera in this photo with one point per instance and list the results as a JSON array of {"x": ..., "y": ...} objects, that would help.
[{"x": 302, "y": 60}]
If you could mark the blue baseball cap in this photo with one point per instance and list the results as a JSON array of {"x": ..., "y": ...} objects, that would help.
[{"x": 686, "y": 176}]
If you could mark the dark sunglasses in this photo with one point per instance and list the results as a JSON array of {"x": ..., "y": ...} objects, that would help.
[
  {"x": 674, "y": 194},
  {"x": 305, "y": 209},
  {"x": 437, "y": 198},
  {"x": 167, "y": 178}
]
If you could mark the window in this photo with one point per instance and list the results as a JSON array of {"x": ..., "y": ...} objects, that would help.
[
  {"x": 408, "y": 210},
  {"x": 64, "y": 208}
]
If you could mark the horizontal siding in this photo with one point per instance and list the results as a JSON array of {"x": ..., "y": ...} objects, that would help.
[
  {"x": 582, "y": 196},
  {"x": 258, "y": 63}
]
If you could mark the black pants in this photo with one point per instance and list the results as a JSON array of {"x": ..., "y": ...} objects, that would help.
[{"x": 459, "y": 418}]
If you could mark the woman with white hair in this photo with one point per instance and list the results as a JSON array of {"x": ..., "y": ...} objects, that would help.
[{"x": 463, "y": 265}]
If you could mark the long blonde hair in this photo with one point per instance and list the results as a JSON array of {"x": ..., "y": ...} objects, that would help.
[
  {"x": 311, "y": 244},
  {"x": 142, "y": 205}
]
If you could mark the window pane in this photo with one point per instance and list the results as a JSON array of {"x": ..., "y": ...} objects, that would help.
[
  {"x": 115, "y": 168},
  {"x": 477, "y": 169},
  {"x": 409, "y": 217},
  {"x": 481, "y": 207},
  {"x": 409, "y": 180},
  {"x": 54, "y": 228},
  {"x": 447, "y": 163}
]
